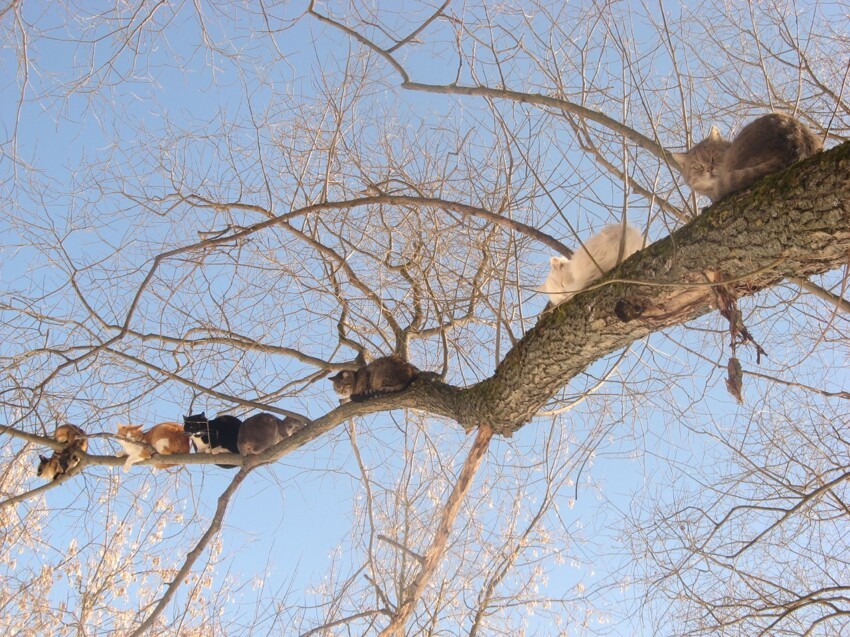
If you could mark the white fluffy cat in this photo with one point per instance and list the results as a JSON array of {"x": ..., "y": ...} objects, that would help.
[{"x": 597, "y": 256}]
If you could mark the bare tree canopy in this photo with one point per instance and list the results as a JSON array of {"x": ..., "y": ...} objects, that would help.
[{"x": 215, "y": 207}]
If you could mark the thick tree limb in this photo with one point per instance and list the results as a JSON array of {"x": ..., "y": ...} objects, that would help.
[{"x": 793, "y": 224}]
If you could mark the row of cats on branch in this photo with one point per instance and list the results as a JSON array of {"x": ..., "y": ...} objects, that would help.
[
  {"x": 715, "y": 168},
  {"x": 225, "y": 434}
]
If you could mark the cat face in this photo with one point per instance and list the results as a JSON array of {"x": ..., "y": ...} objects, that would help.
[
  {"x": 701, "y": 165},
  {"x": 133, "y": 432},
  {"x": 343, "y": 384},
  {"x": 197, "y": 426},
  {"x": 56, "y": 465},
  {"x": 48, "y": 468},
  {"x": 559, "y": 268},
  {"x": 558, "y": 280}
]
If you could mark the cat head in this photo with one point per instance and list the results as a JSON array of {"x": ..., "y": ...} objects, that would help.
[
  {"x": 700, "y": 166},
  {"x": 559, "y": 274},
  {"x": 133, "y": 432},
  {"x": 196, "y": 423},
  {"x": 291, "y": 426},
  {"x": 343, "y": 383},
  {"x": 197, "y": 427},
  {"x": 49, "y": 468}
]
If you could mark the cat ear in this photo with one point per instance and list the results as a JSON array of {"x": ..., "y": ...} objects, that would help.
[
  {"x": 714, "y": 134},
  {"x": 43, "y": 458},
  {"x": 680, "y": 158}
]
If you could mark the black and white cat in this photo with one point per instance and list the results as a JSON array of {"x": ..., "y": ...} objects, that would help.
[{"x": 219, "y": 435}]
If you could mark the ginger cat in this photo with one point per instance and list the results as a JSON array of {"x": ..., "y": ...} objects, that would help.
[{"x": 165, "y": 439}]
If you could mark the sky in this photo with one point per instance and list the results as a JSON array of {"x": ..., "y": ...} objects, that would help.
[{"x": 290, "y": 522}]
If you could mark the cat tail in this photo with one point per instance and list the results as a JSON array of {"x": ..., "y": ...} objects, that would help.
[
  {"x": 373, "y": 393},
  {"x": 366, "y": 395}
]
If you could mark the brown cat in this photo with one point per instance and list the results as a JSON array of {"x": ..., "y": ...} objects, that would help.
[
  {"x": 716, "y": 167},
  {"x": 60, "y": 462},
  {"x": 67, "y": 434},
  {"x": 263, "y": 430},
  {"x": 165, "y": 438},
  {"x": 384, "y": 375}
]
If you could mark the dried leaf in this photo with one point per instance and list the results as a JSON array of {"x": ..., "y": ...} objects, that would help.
[{"x": 735, "y": 379}]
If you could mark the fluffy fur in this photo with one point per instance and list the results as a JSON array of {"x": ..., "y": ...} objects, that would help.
[
  {"x": 716, "y": 167},
  {"x": 263, "y": 430},
  {"x": 384, "y": 375},
  {"x": 598, "y": 255},
  {"x": 74, "y": 440},
  {"x": 165, "y": 439},
  {"x": 219, "y": 435}
]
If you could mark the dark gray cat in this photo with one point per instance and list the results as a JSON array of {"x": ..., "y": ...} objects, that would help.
[
  {"x": 382, "y": 376},
  {"x": 716, "y": 167},
  {"x": 261, "y": 431}
]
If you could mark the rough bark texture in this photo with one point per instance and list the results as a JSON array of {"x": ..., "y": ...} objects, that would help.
[{"x": 793, "y": 224}]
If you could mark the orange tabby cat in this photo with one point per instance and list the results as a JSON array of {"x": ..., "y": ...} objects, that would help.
[{"x": 165, "y": 438}]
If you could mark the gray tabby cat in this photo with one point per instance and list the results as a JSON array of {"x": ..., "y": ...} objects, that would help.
[
  {"x": 384, "y": 375},
  {"x": 262, "y": 431},
  {"x": 716, "y": 167}
]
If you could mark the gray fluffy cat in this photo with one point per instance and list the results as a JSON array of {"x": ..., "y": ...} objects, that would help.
[
  {"x": 716, "y": 167},
  {"x": 261, "y": 431}
]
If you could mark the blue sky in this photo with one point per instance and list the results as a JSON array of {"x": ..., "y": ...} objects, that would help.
[{"x": 290, "y": 522}]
